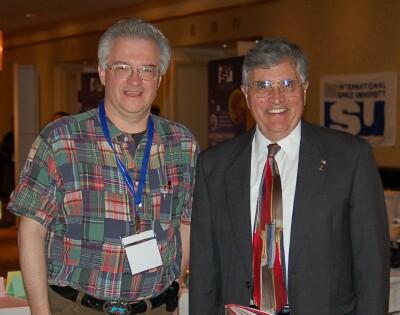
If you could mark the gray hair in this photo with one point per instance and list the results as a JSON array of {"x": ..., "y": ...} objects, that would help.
[
  {"x": 270, "y": 52},
  {"x": 135, "y": 29}
]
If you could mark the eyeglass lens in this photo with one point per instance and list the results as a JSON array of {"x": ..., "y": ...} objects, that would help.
[
  {"x": 265, "y": 88},
  {"x": 124, "y": 72}
]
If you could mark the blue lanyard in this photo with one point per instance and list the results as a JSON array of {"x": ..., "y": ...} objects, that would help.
[{"x": 124, "y": 172}]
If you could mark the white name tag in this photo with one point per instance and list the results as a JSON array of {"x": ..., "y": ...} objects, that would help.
[{"x": 142, "y": 251}]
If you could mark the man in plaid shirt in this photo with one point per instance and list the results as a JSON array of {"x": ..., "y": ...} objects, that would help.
[{"x": 94, "y": 180}]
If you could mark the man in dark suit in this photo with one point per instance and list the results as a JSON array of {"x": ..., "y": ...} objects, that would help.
[{"x": 335, "y": 227}]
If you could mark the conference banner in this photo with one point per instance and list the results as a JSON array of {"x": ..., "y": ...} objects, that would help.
[
  {"x": 361, "y": 104},
  {"x": 226, "y": 103}
]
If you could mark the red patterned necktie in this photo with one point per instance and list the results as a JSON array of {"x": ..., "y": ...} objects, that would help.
[{"x": 268, "y": 254}]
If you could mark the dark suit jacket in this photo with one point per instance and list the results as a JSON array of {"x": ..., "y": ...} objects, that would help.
[{"x": 339, "y": 248}]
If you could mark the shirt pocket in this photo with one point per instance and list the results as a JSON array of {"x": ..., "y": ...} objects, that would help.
[{"x": 171, "y": 205}]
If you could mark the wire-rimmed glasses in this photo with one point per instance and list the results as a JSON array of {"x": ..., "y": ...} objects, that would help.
[
  {"x": 124, "y": 72},
  {"x": 264, "y": 88}
]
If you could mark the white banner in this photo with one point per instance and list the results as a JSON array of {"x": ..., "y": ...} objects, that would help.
[{"x": 363, "y": 105}]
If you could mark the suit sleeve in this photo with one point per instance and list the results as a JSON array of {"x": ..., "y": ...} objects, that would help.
[
  {"x": 370, "y": 237},
  {"x": 204, "y": 296}
]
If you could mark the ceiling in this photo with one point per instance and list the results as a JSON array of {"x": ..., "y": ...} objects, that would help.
[{"x": 17, "y": 16}]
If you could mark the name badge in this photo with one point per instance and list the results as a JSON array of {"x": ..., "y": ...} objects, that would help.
[{"x": 142, "y": 251}]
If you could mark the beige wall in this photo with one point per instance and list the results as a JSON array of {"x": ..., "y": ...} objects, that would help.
[{"x": 340, "y": 37}]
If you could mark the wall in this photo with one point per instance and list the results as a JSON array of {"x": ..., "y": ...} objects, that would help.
[
  {"x": 340, "y": 37},
  {"x": 45, "y": 55}
]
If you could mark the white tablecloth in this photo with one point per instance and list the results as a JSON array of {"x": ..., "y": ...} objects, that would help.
[
  {"x": 14, "y": 306},
  {"x": 394, "y": 301},
  {"x": 392, "y": 198},
  {"x": 184, "y": 303}
]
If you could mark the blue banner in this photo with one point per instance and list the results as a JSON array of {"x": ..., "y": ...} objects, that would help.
[
  {"x": 363, "y": 105},
  {"x": 226, "y": 103}
]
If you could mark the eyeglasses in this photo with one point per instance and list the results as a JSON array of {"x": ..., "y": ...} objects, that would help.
[
  {"x": 124, "y": 72},
  {"x": 264, "y": 88}
]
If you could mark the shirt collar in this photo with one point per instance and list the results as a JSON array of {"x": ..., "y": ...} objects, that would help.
[
  {"x": 260, "y": 143},
  {"x": 116, "y": 134},
  {"x": 290, "y": 145}
]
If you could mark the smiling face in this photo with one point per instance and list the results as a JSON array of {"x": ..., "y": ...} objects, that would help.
[
  {"x": 276, "y": 115},
  {"x": 128, "y": 101}
]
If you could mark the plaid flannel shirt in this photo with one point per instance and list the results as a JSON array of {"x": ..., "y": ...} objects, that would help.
[{"x": 71, "y": 184}]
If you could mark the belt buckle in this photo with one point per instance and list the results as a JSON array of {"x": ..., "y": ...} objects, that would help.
[
  {"x": 284, "y": 310},
  {"x": 116, "y": 307}
]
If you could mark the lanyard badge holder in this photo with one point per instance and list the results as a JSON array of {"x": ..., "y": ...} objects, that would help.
[{"x": 141, "y": 244}]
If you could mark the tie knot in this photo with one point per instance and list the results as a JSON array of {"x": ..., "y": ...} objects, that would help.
[{"x": 273, "y": 149}]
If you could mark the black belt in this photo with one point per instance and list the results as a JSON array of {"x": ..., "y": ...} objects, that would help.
[{"x": 169, "y": 297}]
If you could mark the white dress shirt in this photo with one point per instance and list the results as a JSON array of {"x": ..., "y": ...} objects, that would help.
[{"x": 287, "y": 159}]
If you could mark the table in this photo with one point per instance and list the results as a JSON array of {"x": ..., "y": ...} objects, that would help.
[
  {"x": 394, "y": 296},
  {"x": 394, "y": 299},
  {"x": 10, "y": 305},
  {"x": 392, "y": 199},
  {"x": 184, "y": 302},
  {"x": 14, "y": 306}
]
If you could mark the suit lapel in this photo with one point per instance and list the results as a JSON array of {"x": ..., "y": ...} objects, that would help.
[
  {"x": 311, "y": 176},
  {"x": 313, "y": 165},
  {"x": 237, "y": 183}
]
